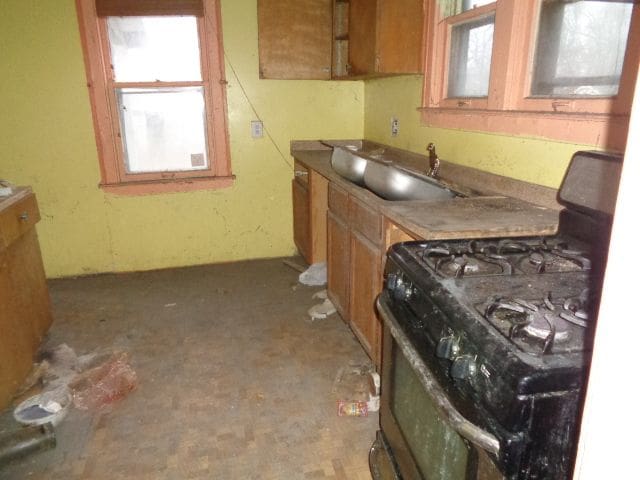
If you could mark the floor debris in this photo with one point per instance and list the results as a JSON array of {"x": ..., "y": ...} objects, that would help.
[
  {"x": 352, "y": 409},
  {"x": 50, "y": 406},
  {"x": 315, "y": 275},
  {"x": 105, "y": 384},
  {"x": 321, "y": 310},
  {"x": 357, "y": 383}
]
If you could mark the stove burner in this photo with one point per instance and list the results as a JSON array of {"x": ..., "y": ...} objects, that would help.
[
  {"x": 545, "y": 321},
  {"x": 503, "y": 257},
  {"x": 457, "y": 263}
]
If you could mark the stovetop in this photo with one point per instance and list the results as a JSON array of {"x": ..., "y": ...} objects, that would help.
[{"x": 534, "y": 291}]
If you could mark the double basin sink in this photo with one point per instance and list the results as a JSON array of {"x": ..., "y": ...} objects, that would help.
[{"x": 369, "y": 168}]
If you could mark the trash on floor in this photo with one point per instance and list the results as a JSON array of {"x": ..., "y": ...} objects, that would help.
[
  {"x": 63, "y": 378},
  {"x": 321, "y": 310},
  {"x": 50, "y": 406},
  {"x": 315, "y": 275},
  {"x": 105, "y": 384},
  {"x": 373, "y": 404},
  {"x": 353, "y": 386},
  {"x": 25, "y": 441},
  {"x": 352, "y": 409}
]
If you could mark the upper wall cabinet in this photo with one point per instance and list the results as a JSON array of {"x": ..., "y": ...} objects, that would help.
[
  {"x": 383, "y": 37},
  {"x": 294, "y": 39},
  {"x": 322, "y": 39}
]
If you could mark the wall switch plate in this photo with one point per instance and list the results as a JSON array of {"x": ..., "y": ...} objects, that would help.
[
  {"x": 395, "y": 126},
  {"x": 256, "y": 129}
]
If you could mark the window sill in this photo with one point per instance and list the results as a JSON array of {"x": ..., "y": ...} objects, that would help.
[
  {"x": 600, "y": 130},
  {"x": 151, "y": 187}
]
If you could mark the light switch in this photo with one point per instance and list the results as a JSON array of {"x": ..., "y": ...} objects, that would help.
[{"x": 256, "y": 129}]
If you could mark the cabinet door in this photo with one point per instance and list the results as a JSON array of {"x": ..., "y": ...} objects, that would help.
[
  {"x": 399, "y": 40},
  {"x": 25, "y": 313},
  {"x": 295, "y": 39},
  {"x": 301, "y": 225},
  {"x": 338, "y": 264},
  {"x": 362, "y": 37},
  {"x": 364, "y": 288}
]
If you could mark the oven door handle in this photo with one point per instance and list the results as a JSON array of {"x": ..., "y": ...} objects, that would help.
[{"x": 461, "y": 425}]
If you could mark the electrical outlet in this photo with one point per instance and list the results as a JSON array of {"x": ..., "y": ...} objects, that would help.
[
  {"x": 395, "y": 126},
  {"x": 256, "y": 129}
]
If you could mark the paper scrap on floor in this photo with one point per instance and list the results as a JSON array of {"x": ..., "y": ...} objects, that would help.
[{"x": 321, "y": 310}]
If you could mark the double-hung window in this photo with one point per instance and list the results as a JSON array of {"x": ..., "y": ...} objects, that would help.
[
  {"x": 560, "y": 69},
  {"x": 156, "y": 82}
]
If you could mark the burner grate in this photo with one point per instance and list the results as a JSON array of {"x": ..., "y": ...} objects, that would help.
[
  {"x": 457, "y": 259},
  {"x": 546, "y": 325}
]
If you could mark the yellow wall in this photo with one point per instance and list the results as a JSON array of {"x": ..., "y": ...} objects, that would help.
[
  {"x": 533, "y": 160},
  {"x": 48, "y": 142}
]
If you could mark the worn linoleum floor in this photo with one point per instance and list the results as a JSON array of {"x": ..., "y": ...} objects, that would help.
[{"x": 235, "y": 381}]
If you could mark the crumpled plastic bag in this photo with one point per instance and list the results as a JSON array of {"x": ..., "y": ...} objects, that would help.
[
  {"x": 315, "y": 275},
  {"x": 105, "y": 384}
]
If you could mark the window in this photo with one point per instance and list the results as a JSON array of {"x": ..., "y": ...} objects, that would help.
[
  {"x": 580, "y": 48},
  {"x": 470, "y": 58},
  {"x": 156, "y": 83},
  {"x": 560, "y": 69}
]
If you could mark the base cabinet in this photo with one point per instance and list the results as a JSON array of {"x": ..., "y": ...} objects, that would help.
[
  {"x": 25, "y": 312},
  {"x": 338, "y": 253},
  {"x": 301, "y": 219},
  {"x": 364, "y": 288},
  {"x": 354, "y": 267},
  {"x": 309, "y": 191}
]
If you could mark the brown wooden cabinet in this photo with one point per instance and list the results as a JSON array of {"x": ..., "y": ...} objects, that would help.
[
  {"x": 301, "y": 219},
  {"x": 365, "y": 286},
  {"x": 353, "y": 264},
  {"x": 322, "y": 39},
  {"x": 338, "y": 254},
  {"x": 310, "y": 191},
  {"x": 25, "y": 313},
  {"x": 294, "y": 39}
]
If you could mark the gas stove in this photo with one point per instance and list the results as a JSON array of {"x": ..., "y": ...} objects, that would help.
[{"x": 504, "y": 327}]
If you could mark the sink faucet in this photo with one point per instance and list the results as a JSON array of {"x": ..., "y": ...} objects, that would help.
[{"x": 434, "y": 161}]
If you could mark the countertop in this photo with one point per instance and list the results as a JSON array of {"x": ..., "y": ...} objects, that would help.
[
  {"x": 485, "y": 215},
  {"x": 18, "y": 194}
]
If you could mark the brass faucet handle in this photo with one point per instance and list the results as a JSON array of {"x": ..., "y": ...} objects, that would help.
[{"x": 434, "y": 161}]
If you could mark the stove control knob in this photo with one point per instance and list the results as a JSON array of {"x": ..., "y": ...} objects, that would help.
[
  {"x": 403, "y": 289},
  {"x": 448, "y": 347},
  {"x": 464, "y": 367},
  {"x": 390, "y": 281}
]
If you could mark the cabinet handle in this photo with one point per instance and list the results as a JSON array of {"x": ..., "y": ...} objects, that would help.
[
  {"x": 301, "y": 174},
  {"x": 24, "y": 216}
]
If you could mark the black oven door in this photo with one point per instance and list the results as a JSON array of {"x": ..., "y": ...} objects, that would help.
[{"x": 426, "y": 436}]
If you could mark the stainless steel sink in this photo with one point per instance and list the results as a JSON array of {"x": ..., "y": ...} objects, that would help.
[
  {"x": 367, "y": 165},
  {"x": 348, "y": 164},
  {"x": 394, "y": 183}
]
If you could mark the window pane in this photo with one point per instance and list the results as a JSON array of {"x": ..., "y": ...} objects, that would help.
[
  {"x": 455, "y": 7},
  {"x": 163, "y": 129},
  {"x": 146, "y": 49},
  {"x": 470, "y": 58},
  {"x": 580, "y": 48}
]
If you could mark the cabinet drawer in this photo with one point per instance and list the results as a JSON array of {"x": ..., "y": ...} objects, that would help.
[
  {"x": 17, "y": 219},
  {"x": 300, "y": 172},
  {"x": 338, "y": 201},
  {"x": 365, "y": 220}
]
